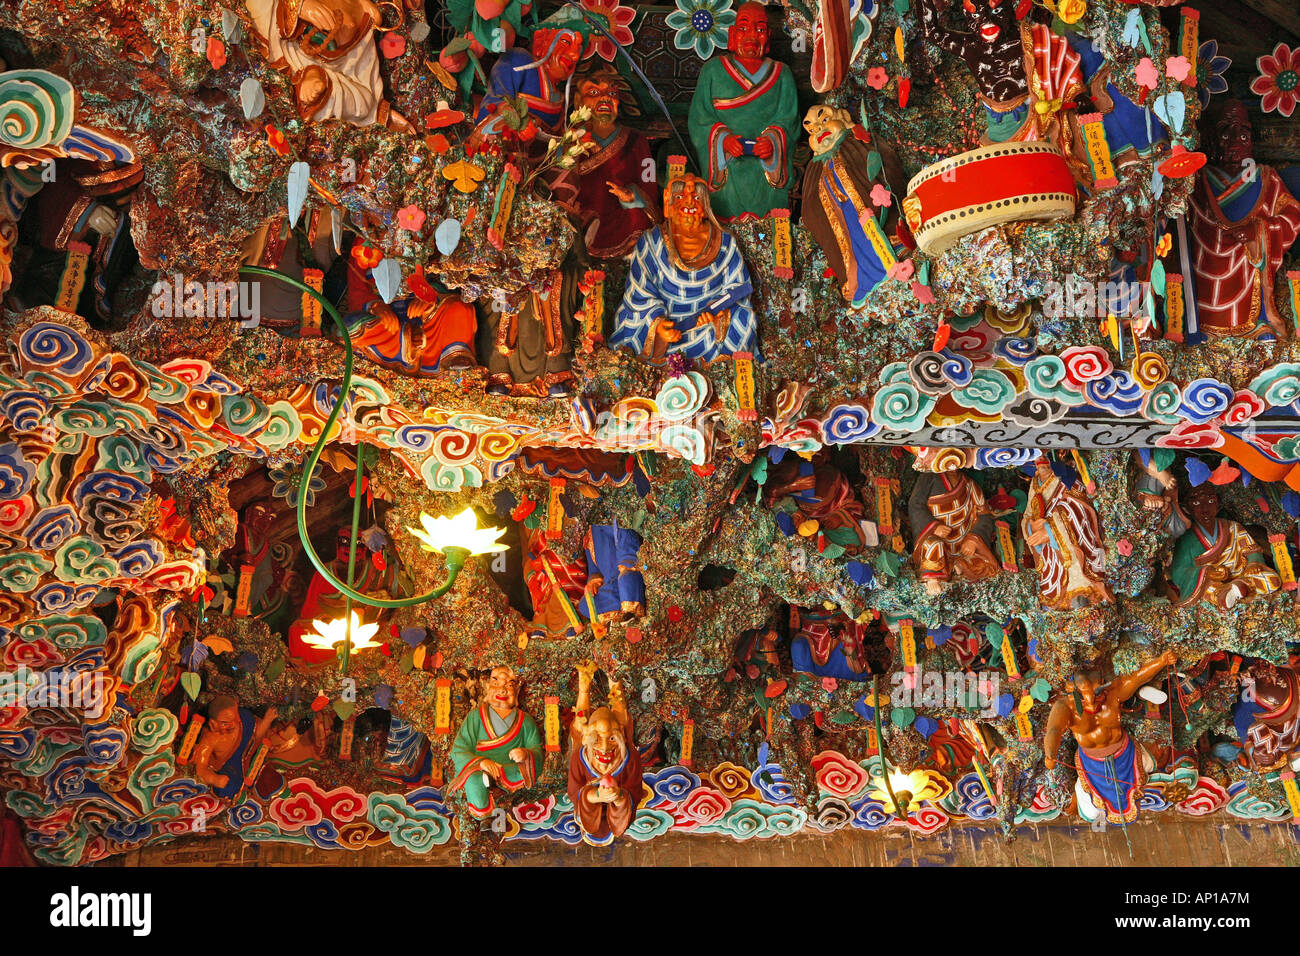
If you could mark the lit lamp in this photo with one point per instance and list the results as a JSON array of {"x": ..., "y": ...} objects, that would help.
[
  {"x": 457, "y": 538},
  {"x": 330, "y": 634},
  {"x": 899, "y": 789}
]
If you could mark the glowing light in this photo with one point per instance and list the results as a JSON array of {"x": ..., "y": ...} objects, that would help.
[
  {"x": 330, "y": 634},
  {"x": 462, "y": 532}
]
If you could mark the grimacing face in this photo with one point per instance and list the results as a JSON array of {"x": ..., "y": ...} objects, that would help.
[
  {"x": 748, "y": 36},
  {"x": 502, "y": 689},
  {"x": 1087, "y": 685},
  {"x": 564, "y": 56},
  {"x": 988, "y": 19},
  {"x": 600, "y": 97},
  {"x": 824, "y": 124},
  {"x": 603, "y": 741},
  {"x": 686, "y": 202}
]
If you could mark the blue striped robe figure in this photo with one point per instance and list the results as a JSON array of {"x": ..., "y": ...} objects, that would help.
[{"x": 661, "y": 284}]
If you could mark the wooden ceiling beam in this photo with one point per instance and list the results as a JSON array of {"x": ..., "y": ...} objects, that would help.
[{"x": 1283, "y": 13}]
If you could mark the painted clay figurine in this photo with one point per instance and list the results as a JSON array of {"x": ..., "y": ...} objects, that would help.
[
  {"x": 1027, "y": 76},
  {"x": 1243, "y": 220},
  {"x": 528, "y": 340},
  {"x": 604, "y": 766},
  {"x": 614, "y": 578},
  {"x": 327, "y": 47},
  {"x": 1274, "y": 730},
  {"x": 838, "y": 206},
  {"x": 821, "y": 495},
  {"x": 497, "y": 745},
  {"x": 688, "y": 288},
  {"x": 418, "y": 335},
  {"x": 1062, "y": 528},
  {"x": 612, "y": 194},
  {"x": 227, "y": 744},
  {"x": 1111, "y": 765},
  {"x": 743, "y": 121},
  {"x": 539, "y": 77},
  {"x": 550, "y": 616},
  {"x": 1217, "y": 561},
  {"x": 952, "y": 530}
]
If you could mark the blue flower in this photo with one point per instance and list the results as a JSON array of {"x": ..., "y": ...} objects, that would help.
[
  {"x": 288, "y": 485},
  {"x": 1211, "y": 68},
  {"x": 701, "y": 25}
]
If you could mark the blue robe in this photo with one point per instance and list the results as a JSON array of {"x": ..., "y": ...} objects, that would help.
[
  {"x": 1126, "y": 125},
  {"x": 613, "y": 555},
  {"x": 545, "y": 104},
  {"x": 657, "y": 287},
  {"x": 233, "y": 768},
  {"x": 1118, "y": 789}
]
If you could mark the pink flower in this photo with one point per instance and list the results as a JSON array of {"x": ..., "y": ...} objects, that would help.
[
  {"x": 1278, "y": 83},
  {"x": 392, "y": 45},
  {"x": 830, "y": 684},
  {"x": 902, "y": 271},
  {"x": 881, "y": 196},
  {"x": 618, "y": 21},
  {"x": 1147, "y": 75},
  {"x": 411, "y": 218},
  {"x": 877, "y": 77},
  {"x": 1177, "y": 67},
  {"x": 1125, "y": 546},
  {"x": 923, "y": 293}
]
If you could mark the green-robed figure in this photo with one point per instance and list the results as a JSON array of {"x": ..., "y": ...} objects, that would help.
[
  {"x": 743, "y": 122},
  {"x": 497, "y": 744}
]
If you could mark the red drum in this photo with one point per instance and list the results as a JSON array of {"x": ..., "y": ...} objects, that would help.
[{"x": 1005, "y": 182}]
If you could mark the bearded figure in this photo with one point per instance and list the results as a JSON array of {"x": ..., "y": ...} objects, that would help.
[
  {"x": 498, "y": 745},
  {"x": 328, "y": 50},
  {"x": 604, "y": 767}
]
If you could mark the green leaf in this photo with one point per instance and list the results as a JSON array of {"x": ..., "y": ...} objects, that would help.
[
  {"x": 844, "y": 536},
  {"x": 874, "y": 164},
  {"x": 191, "y": 681},
  {"x": 887, "y": 564},
  {"x": 1040, "y": 690},
  {"x": 274, "y": 669},
  {"x": 832, "y": 551},
  {"x": 902, "y": 716},
  {"x": 1158, "y": 277},
  {"x": 844, "y": 717},
  {"x": 759, "y": 470},
  {"x": 344, "y": 708},
  {"x": 1162, "y": 458},
  {"x": 407, "y": 662}
]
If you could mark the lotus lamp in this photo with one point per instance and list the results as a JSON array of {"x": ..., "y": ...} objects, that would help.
[
  {"x": 350, "y": 631},
  {"x": 903, "y": 788}
]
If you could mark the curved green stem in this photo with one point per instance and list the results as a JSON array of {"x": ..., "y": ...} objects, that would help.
[
  {"x": 455, "y": 557},
  {"x": 880, "y": 741}
]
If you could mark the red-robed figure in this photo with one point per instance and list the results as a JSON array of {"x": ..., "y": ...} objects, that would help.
[{"x": 604, "y": 766}]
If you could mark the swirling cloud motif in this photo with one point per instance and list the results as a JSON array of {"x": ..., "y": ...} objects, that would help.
[
  {"x": 1207, "y": 797},
  {"x": 682, "y": 396},
  {"x": 686, "y": 442},
  {"x": 869, "y": 814},
  {"x": 95, "y": 419},
  {"x": 1204, "y": 400},
  {"x": 1116, "y": 392},
  {"x": 56, "y": 348},
  {"x": 152, "y": 730},
  {"x": 163, "y": 388},
  {"x": 1005, "y": 457},
  {"x": 244, "y": 414},
  {"x": 1245, "y": 406},
  {"x": 118, "y": 453},
  {"x": 1248, "y": 806},
  {"x": 1279, "y": 385},
  {"x": 672, "y": 784},
  {"x": 895, "y": 372},
  {"x": 926, "y": 370},
  {"x": 839, "y": 776},
  {"x": 282, "y": 426},
  {"x": 16, "y": 472},
  {"x": 1085, "y": 363},
  {"x": 104, "y": 744},
  {"x": 1039, "y": 810},
  {"x": 702, "y": 806},
  {"x": 537, "y": 815},
  {"x": 748, "y": 819},
  {"x": 416, "y": 438},
  {"x": 24, "y": 409},
  {"x": 1150, "y": 369},
  {"x": 415, "y": 830},
  {"x": 1046, "y": 378},
  {"x": 342, "y": 804},
  {"x": 1016, "y": 350},
  {"x": 988, "y": 393},
  {"x": 732, "y": 779},
  {"x": 37, "y": 109},
  {"x": 21, "y": 571},
  {"x": 129, "y": 833},
  {"x": 440, "y": 477},
  {"x": 83, "y": 560},
  {"x": 496, "y": 446},
  {"x": 180, "y": 789},
  {"x": 831, "y": 814},
  {"x": 244, "y": 814},
  {"x": 290, "y": 811},
  {"x": 138, "y": 558},
  {"x": 74, "y": 631},
  {"x": 927, "y": 819},
  {"x": 957, "y": 369},
  {"x": 649, "y": 823},
  {"x": 1152, "y": 800},
  {"x": 51, "y": 527},
  {"x": 1032, "y": 411},
  {"x": 901, "y": 406},
  {"x": 16, "y": 512},
  {"x": 969, "y": 799},
  {"x": 1191, "y": 435},
  {"x": 845, "y": 424},
  {"x": 770, "y": 781},
  {"x": 1163, "y": 402},
  {"x": 1288, "y": 448}
]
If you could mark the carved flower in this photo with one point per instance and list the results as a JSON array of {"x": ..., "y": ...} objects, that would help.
[
  {"x": 615, "y": 18},
  {"x": 277, "y": 140},
  {"x": 877, "y": 77},
  {"x": 411, "y": 218},
  {"x": 392, "y": 45},
  {"x": 701, "y": 25},
  {"x": 1278, "y": 83}
]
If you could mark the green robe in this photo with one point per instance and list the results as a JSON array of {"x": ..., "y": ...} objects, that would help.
[
  {"x": 763, "y": 106},
  {"x": 476, "y": 740}
]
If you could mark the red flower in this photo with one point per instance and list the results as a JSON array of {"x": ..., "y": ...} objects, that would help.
[
  {"x": 444, "y": 117},
  {"x": 366, "y": 256},
  {"x": 523, "y": 509},
  {"x": 438, "y": 143},
  {"x": 675, "y": 614},
  {"x": 216, "y": 52},
  {"x": 392, "y": 45},
  {"x": 1278, "y": 83},
  {"x": 617, "y": 20},
  {"x": 277, "y": 140},
  {"x": 877, "y": 77}
]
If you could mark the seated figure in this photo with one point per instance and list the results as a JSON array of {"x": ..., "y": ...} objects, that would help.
[
  {"x": 416, "y": 335},
  {"x": 604, "y": 766},
  {"x": 1217, "y": 561},
  {"x": 550, "y": 616},
  {"x": 1272, "y": 724},
  {"x": 497, "y": 745},
  {"x": 688, "y": 288},
  {"x": 325, "y": 603},
  {"x": 821, "y": 494},
  {"x": 952, "y": 528},
  {"x": 830, "y": 644},
  {"x": 227, "y": 744},
  {"x": 1061, "y": 526},
  {"x": 614, "y": 578}
]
